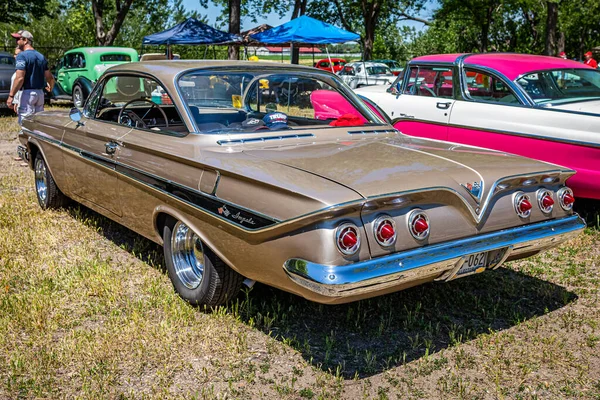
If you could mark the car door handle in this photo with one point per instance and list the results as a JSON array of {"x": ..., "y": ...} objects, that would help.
[
  {"x": 111, "y": 147},
  {"x": 401, "y": 115},
  {"x": 443, "y": 106}
]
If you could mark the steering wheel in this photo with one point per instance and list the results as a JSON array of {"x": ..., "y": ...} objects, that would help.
[
  {"x": 427, "y": 89},
  {"x": 137, "y": 119}
]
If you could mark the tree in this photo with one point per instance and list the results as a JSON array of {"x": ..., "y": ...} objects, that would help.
[
  {"x": 366, "y": 16},
  {"x": 104, "y": 38},
  {"x": 234, "y": 27},
  {"x": 16, "y": 11}
]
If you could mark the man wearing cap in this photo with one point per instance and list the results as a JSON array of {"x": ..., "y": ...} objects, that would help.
[
  {"x": 589, "y": 60},
  {"x": 563, "y": 55},
  {"x": 32, "y": 75}
]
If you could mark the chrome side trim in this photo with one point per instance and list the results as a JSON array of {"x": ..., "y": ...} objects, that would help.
[
  {"x": 428, "y": 261},
  {"x": 372, "y": 131},
  {"x": 228, "y": 142}
]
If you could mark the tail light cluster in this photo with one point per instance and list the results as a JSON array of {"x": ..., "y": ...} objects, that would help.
[
  {"x": 347, "y": 238},
  {"x": 545, "y": 201},
  {"x": 347, "y": 235}
]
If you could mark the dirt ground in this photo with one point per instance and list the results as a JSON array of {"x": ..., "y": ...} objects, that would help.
[{"x": 86, "y": 311}]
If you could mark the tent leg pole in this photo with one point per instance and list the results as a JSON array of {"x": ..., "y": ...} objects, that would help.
[
  {"x": 205, "y": 51},
  {"x": 329, "y": 58}
]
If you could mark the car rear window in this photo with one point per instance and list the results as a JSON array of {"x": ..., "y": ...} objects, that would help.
[
  {"x": 115, "y": 57},
  {"x": 242, "y": 101}
]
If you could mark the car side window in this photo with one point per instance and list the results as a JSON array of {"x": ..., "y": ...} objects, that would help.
[
  {"x": 485, "y": 87},
  {"x": 430, "y": 82},
  {"x": 136, "y": 101}
]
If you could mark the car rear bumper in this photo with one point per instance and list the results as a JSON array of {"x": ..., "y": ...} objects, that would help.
[{"x": 440, "y": 261}]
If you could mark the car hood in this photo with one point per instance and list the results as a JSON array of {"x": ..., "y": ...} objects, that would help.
[
  {"x": 375, "y": 167},
  {"x": 592, "y": 106}
]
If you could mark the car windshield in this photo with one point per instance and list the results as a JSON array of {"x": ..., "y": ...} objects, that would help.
[
  {"x": 562, "y": 86},
  {"x": 231, "y": 102}
]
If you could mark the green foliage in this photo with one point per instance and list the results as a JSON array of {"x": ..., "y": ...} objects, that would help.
[{"x": 15, "y": 11}]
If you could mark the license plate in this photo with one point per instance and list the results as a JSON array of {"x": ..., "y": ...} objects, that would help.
[{"x": 473, "y": 263}]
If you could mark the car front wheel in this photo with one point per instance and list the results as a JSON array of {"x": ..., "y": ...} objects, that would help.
[
  {"x": 78, "y": 97},
  {"x": 48, "y": 194},
  {"x": 197, "y": 274}
]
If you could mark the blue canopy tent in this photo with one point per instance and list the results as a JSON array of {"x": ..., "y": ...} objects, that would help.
[
  {"x": 305, "y": 30},
  {"x": 190, "y": 31}
]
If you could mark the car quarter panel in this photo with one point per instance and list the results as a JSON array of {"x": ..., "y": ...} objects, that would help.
[{"x": 44, "y": 131}]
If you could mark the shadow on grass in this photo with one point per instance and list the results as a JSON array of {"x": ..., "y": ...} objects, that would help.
[
  {"x": 142, "y": 248},
  {"x": 371, "y": 336}
]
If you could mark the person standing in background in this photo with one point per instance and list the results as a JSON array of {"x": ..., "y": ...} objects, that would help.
[
  {"x": 563, "y": 55},
  {"x": 589, "y": 60},
  {"x": 31, "y": 76},
  {"x": 17, "y": 97}
]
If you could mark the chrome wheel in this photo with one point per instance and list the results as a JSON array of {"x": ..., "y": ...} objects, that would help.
[
  {"x": 41, "y": 185},
  {"x": 187, "y": 255},
  {"x": 77, "y": 97}
]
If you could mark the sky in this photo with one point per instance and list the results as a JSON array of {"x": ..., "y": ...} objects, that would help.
[{"x": 273, "y": 19}]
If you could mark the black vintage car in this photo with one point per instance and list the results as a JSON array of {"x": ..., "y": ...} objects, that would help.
[{"x": 7, "y": 69}]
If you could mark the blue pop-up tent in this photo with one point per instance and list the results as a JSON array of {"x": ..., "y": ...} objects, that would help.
[
  {"x": 305, "y": 30},
  {"x": 191, "y": 31}
]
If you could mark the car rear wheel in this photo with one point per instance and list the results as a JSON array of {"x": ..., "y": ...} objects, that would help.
[
  {"x": 78, "y": 97},
  {"x": 197, "y": 274},
  {"x": 48, "y": 194}
]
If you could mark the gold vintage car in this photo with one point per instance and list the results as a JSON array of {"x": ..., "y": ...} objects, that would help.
[{"x": 280, "y": 174}]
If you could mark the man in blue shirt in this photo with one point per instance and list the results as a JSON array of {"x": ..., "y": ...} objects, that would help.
[{"x": 32, "y": 75}]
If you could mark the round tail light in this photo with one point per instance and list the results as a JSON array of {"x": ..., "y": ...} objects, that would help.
[
  {"x": 522, "y": 205},
  {"x": 566, "y": 198},
  {"x": 545, "y": 201},
  {"x": 418, "y": 224},
  {"x": 384, "y": 229},
  {"x": 347, "y": 239}
]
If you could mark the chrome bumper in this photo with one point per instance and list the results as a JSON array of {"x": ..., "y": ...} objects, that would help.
[
  {"x": 440, "y": 261},
  {"x": 22, "y": 152}
]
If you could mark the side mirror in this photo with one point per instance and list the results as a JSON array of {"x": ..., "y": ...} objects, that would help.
[{"x": 75, "y": 116}]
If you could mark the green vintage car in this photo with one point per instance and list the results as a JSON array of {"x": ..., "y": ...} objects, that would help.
[{"x": 79, "y": 69}]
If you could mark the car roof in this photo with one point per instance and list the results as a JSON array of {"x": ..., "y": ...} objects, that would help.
[
  {"x": 105, "y": 49},
  {"x": 511, "y": 65},
  {"x": 166, "y": 70}
]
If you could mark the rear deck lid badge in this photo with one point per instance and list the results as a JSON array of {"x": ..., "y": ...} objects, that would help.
[{"x": 475, "y": 189}]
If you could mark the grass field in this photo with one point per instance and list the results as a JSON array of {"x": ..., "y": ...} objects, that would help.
[{"x": 86, "y": 311}]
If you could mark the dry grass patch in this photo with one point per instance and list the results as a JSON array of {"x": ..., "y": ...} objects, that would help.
[{"x": 87, "y": 312}]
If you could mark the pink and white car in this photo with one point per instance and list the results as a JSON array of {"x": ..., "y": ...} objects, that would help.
[{"x": 541, "y": 107}]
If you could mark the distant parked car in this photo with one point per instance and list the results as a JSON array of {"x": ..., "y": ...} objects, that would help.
[
  {"x": 79, "y": 70},
  {"x": 365, "y": 73},
  {"x": 395, "y": 66},
  {"x": 541, "y": 107},
  {"x": 335, "y": 66},
  {"x": 7, "y": 69}
]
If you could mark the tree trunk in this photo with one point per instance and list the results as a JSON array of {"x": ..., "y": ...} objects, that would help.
[
  {"x": 561, "y": 42},
  {"x": 551, "y": 24},
  {"x": 104, "y": 38},
  {"x": 299, "y": 10},
  {"x": 234, "y": 27},
  {"x": 368, "y": 42}
]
